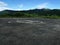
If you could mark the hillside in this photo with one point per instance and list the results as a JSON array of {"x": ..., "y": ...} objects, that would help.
[{"x": 48, "y": 13}]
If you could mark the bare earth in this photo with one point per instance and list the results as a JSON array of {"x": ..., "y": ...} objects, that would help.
[{"x": 29, "y": 31}]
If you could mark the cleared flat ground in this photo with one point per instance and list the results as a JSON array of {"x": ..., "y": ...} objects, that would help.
[{"x": 29, "y": 31}]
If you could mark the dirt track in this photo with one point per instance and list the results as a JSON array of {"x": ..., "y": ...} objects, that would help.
[{"x": 27, "y": 31}]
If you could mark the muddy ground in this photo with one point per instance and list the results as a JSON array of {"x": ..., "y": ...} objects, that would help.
[{"x": 29, "y": 31}]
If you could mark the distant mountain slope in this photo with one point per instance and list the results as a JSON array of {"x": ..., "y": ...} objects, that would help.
[{"x": 30, "y": 13}]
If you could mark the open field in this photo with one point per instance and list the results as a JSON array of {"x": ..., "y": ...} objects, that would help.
[{"x": 29, "y": 31}]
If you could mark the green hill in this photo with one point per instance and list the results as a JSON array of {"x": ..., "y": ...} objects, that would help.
[{"x": 45, "y": 13}]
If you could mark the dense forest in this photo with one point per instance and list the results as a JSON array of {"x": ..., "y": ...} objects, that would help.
[{"x": 40, "y": 13}]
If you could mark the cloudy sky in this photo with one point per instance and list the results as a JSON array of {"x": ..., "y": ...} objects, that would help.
[{"x": 29, "y": 4}]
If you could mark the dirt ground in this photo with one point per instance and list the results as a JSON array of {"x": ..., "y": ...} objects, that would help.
[{"x": 29, "y": 31}]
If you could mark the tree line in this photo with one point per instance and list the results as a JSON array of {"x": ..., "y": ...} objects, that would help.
[{"x": 48, "y": 13}]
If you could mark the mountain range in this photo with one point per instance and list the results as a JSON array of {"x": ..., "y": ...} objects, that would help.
[{"x": 30, "y": 13}]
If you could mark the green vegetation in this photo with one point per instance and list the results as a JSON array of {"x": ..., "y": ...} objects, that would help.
[{"x": 35, "y": 13}]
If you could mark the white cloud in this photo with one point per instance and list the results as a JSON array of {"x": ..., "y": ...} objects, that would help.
[
  {"x": 20, "y": 6},
  {"x": 43, "y": 5},
  {"x": 2, "y": 4},
  {"x": 3, "y": 8},
  {"x": 40, "y": 6}
]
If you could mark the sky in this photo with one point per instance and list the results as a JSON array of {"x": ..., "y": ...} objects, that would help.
[{"x": 29, "y": 4}]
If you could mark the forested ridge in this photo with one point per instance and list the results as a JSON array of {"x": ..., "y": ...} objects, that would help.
[{"x": 45, "y": 13}]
